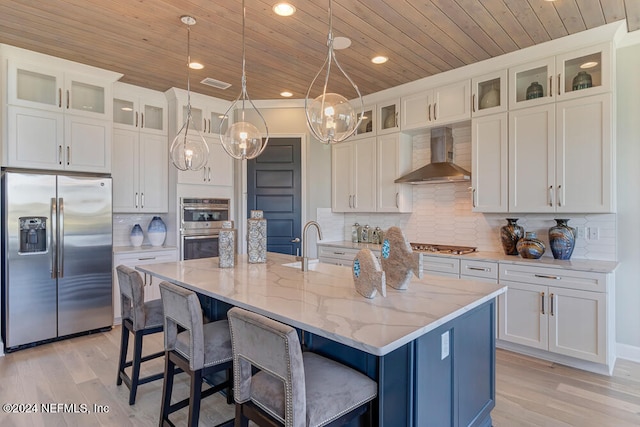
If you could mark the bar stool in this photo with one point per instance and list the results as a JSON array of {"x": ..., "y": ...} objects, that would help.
[
  {"x": 139, "y": 318},
  {"x": 198, "y": 349},
  {"x": 292, "y": 388}
]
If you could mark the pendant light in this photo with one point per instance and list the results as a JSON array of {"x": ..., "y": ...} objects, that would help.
[
  {"x": 330, "y": 116},
  {"x": 243, "y": 140},
  {"x": 189, "y": 150}
]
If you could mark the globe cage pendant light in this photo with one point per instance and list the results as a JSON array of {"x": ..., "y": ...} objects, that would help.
[
  {"x": 330, "y": 116},
  {"x": 189, "y": 150},
  {"x": 243, "y": 140}
]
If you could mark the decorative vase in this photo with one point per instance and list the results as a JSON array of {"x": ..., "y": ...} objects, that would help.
[
  {"x": 227, "y": 246},
  {"x": 562, "y": 239},
  {"x": 490, "y": 99},
  {"x": 137, "y": 236},
  {"x": 509, "y": 236},
  {"x": 529, "y": 246},
  {"x": 257, "y": 239},
  {"x": 581, "y": 81},
  {"x": 534, "y": 91},
  {"x": 157, "y": 231}
]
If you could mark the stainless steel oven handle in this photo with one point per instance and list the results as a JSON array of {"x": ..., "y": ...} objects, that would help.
[{"x": 208, "y": 236}]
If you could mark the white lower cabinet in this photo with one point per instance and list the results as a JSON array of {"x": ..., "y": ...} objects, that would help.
[
  {"x": 133, "y": 259},
  {"x": 560, "y": 311},
  {"x": 485, "y": 271},
  {"x": 337, "y": 255}
]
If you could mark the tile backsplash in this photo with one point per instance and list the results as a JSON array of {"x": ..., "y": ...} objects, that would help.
[{"x": 442, "y": 213}]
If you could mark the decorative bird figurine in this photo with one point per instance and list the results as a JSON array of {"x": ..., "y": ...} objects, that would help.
[
  {"x": 399, "y": 261},
  {"x": 368, "y": 276}
]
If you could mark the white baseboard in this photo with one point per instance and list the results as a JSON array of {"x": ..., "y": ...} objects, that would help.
[{"x": 628, "y": 352}]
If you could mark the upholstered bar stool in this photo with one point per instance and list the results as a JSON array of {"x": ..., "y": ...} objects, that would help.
[
  {"x": 139, "y": 318},
  {"x": 198, "y": 349},
  {"x": 292, "y": 388}
]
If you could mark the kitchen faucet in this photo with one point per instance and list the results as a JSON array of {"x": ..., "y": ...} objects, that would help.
[{"x": 304, "y": 260}]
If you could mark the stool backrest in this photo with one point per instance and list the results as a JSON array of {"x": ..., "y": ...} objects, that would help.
[
  {"x": 182, "y": 308},
  {"x": 274, "y": 348},
  {"x": 131, "y": 296}
]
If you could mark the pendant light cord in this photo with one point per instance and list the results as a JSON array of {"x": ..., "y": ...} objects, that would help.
[
  {"x": 244, "y": 76},
  {"x": 188, "y": 70}
]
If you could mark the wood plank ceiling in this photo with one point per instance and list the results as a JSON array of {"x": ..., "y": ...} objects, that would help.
[{"x": 145, "y": 40}]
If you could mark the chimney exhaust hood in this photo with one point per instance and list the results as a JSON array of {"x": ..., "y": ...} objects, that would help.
[{"x": 441, "y": 169}]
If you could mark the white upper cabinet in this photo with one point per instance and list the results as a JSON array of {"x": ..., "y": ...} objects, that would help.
[
  {"x": 489, "y": 171},
  {"x": 368, "y": 124},
  {"x": 393, "y": 161},
  {"x": 388, "y": 117},
  {"x": 489, "y": 93},
  {"x": 353, "y": 176},
  {"x": 579, "y": 73},
  {"x": 561, "y": 157},
  {"x": 218, "y": 170},
  {"x": 58, "y": 113},
  {"x": 207, "y": 113},
  {"x": 135, "y": 108},
  {"x": 442, "y": 105},
  {"x": 38, "y": 85}
]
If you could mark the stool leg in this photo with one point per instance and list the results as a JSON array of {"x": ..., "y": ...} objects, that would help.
[
  {"x": 230, "y": 388},
  {"x": 124, "y": 347},
  {"x": 194, "y": 398},
  {"x": 167, "y": 388},
  {"x": 135, "y": 367},
  {"x": 241, "y": 420}
]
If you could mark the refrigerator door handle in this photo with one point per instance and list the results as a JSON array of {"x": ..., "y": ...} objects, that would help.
[
  {"x": 52, "y": 238},
  {"x": 61, "y": 245}
]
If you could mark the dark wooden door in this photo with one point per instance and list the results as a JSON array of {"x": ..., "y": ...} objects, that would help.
[{"x": 274, "y": 187}]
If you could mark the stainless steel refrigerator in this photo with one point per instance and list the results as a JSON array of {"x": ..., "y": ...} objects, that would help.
[{"x": 56, "y": 263}]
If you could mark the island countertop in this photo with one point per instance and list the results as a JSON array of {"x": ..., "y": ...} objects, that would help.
[{"x": 324, "y": 301}]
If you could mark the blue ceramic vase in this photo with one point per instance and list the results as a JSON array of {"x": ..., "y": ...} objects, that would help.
[
  {"x": 157, "y": 231},
  {"x": 562, "y": 239},
  {"x": 530, "y": 247},
  {"x": 136, "y": 236}
]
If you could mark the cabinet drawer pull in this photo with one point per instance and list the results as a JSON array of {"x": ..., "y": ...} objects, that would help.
[
  {"x": 551, "y": 305},
  {"x": 542, "y": 300},
  {"x": 146, "y": 258},
  {"x": 479, "y": 268},
  {"x": 544, "y": 276},
  {"x": 339, "y": 253}
]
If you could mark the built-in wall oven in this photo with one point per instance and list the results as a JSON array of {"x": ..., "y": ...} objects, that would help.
[{"x": 200, "y": 224}]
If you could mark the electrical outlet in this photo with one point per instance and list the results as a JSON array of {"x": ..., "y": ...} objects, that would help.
[
  {"x": 444, "y": 345},
  {"x": 580, "y": 232},
  {"x": 594, "y": 233}
]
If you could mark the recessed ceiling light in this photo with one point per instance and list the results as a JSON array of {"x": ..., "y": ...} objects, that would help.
[
  {"x": 379, "y": 59},
  {"x": 286, "y": 94},
  {"x": 196, "y": 66},
  {"x": 284, "y": 9},
  {"x": 589, "y": 64},
  {"x": 341, "y": 42}
]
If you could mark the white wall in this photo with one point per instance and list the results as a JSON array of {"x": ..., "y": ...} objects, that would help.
[{"x": 628, "y": 176}]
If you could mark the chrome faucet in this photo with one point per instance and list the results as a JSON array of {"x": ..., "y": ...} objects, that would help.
[{"x": 304, "y": 261}]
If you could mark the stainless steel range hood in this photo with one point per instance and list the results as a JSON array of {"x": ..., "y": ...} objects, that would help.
[{"x": 441, "y": 169}]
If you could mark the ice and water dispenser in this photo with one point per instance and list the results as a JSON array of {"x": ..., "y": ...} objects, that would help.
[{"x": 33, "y": 234}]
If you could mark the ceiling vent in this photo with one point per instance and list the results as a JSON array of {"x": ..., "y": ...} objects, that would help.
[{"x": 216, "y": 83}]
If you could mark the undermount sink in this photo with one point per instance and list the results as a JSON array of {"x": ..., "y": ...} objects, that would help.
[{"x": 312, "y": 264}]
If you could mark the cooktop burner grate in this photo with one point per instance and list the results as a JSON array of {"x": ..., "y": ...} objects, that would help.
[{"x": 442, "y": 249}]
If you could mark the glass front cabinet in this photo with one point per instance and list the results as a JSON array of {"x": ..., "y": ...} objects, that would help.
[
  {"x": 579, "y": 73},
  {"x": 489, "y": 93}
]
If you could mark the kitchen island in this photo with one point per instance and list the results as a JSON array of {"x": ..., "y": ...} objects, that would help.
[{"x": 431, "y": 348}]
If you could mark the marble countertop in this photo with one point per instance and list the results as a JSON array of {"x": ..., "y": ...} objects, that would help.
[
  {"x": 589, "y": 265},
  {"x": 143, "y": 248},
  {"x": 324, "y": 301}
]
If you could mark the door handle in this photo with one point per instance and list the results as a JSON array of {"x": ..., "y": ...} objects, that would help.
[
  {"x": 68, "y": 155},
  {"x": 53, "y": 207},
  {"x": 60, "y": 154},
  {"x": 142, "y": 200},
  {"x": 141, "y": 120},
  {"x": 136, "y": 200},
  {"x": 68, "y": 99},
  {"x": 61, "y": 245},
  {"x": 59, "y": 97},
  {"x": 136, "y": 119},
  {"x": 551, "y": 305},
  {"x": 296, "y": 240},
  {"x": 542, "y": 299},
  {"x": 551, "y": 195},
  {"x": 429, "y": 115}
]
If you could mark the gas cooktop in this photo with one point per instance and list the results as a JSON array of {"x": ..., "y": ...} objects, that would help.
[{"x": 442, "y": 249}]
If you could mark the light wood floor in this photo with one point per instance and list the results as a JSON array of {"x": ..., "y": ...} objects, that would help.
[{"x": 82, "y": 370}]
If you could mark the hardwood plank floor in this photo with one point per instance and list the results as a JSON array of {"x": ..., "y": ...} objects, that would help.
[{"x": 530, "y": 392}]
